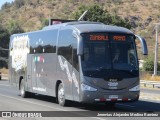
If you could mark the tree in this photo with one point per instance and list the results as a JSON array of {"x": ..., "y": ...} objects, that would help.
[
  {"x": 6, "y": 5},
  {"x": 13, "y": 27},
  {"x": 149, "y": 64},
  {"x": 97, "y": 14},
  {"x": 44, "y": 22},
  {"x": 19, "y": 3},
  {"x": 4, "y": 43}
]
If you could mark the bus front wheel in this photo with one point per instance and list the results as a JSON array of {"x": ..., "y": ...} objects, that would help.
[{"x": 61, "y": 95}]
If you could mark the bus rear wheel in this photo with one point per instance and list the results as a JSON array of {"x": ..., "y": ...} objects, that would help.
[
  {"x": 61, "y": 95},
  {"x": 23, "y": 92}
]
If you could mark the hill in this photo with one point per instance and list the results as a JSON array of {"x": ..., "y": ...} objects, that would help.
[{"x": 33, "y": 14}]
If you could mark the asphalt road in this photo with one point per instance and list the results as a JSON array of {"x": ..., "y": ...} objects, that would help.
[
  {"x": 10, "y": 100},
  {"x": 151, "y": 91}
]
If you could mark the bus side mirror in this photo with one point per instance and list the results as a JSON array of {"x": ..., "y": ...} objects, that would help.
[{"x": 144, "y": 44}]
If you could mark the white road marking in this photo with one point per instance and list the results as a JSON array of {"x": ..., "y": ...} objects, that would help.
[
  {"x": 30, "y": 102},
  {"x": 98, "y": 118},
  {"x": 4, "y": 85},
  {"x": 46, "y": 106}
]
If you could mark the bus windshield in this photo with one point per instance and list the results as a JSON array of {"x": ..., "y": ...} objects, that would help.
[{"x": 108, "y": 55}]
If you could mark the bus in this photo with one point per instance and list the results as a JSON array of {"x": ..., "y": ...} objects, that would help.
[{"x": 82, "y": 61}]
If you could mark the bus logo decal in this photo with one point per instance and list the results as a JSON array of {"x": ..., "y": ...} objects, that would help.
[
  {"x": 112, "y": 84},
  {"x": 20, "y": 49},
  {"x": 39, "y": 89},
  {"x": 69, "y": 75}
]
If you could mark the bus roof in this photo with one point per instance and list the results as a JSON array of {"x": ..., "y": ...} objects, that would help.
[{"x": 87, "y": 26}]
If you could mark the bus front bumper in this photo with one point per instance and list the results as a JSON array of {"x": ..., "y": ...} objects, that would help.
[{"x": 95, "y": 97}]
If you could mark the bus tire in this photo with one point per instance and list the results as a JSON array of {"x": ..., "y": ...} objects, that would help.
[
  {"x": 61, "y": 95},
  {"x": 23, "y": 92}
]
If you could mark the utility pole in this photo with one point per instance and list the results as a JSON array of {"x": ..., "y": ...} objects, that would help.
[
  {"x": 156, "y": 50},
  {"x": 49, "y": 20}
]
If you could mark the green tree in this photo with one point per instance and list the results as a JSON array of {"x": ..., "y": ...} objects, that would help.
[
  {"x": 4, "y": 43},
  {"x": 13, "y": 27},
  {"x": 97, "y": 14},
  {"x": 19, "y": 3},
  {"x": 6, "y": 5},
  {"x": 44, "y": 22},
  {"x": 149, "y": 64}
]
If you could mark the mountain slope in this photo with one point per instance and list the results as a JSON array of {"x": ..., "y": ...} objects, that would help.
[{"x": 33, "y": 14}]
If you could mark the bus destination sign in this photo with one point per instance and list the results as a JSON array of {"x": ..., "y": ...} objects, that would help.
[
  {"x": 119, "y": 38},
  {"x": 99, "y": 37}
]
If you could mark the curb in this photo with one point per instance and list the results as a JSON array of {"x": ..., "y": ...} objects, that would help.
[{"x": 150, "y": 84}]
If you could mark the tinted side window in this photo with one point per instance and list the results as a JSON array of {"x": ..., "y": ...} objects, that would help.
[
  {"x": 44, "y": 41},
  {"x": 68, "y": 47},
  {"x": 65, "y": 45}
]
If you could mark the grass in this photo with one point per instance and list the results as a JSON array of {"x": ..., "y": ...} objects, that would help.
[
  {"x": 150, "y": 77},
  {"x": 4, "y": 71}
]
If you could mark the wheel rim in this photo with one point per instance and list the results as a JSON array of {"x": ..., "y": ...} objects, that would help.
[{"x": 61, "y": 95}]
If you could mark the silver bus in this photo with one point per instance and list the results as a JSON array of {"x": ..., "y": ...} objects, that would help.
[{"x": 87, "y": 62}]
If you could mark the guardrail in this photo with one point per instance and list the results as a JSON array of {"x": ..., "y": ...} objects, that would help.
[
  {"x": 147, "y": 83},
  {"x": 4, "y": 76}
]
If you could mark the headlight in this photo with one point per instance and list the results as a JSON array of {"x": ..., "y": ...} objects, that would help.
[
  {"x": 136, "y": 88},
  {"x": 87, "y": 88}
]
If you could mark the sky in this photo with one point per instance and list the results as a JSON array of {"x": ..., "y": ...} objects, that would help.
[{"x": 4, "y": 1}]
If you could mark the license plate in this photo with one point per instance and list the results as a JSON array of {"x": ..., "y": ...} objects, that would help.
[{"x": 113, "y": 96}]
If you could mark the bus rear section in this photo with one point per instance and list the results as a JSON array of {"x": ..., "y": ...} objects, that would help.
[{"x": 110, "y": 71}]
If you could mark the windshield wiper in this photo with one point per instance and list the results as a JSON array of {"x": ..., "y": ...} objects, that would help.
[
  {"x": 99, "y": 69},
  {"x": 129, "y": 72},
  {"x": 102, "y": 68}
]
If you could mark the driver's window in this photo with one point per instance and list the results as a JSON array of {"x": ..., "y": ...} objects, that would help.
[{"x": 131, "y": 57}]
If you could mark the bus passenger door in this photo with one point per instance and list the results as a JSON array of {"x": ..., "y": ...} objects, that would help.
[
  {"x": 31, "y": 73},
  {"x": 34, "y": 74}
]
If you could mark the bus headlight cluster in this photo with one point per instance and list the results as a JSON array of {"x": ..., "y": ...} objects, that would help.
[
  {"x": 136, "y": 88},
  {"x": 87, "y": 87}
]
